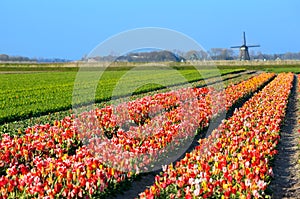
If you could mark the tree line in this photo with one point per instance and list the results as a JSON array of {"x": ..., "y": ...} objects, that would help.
[
  {"x": 8, "y": 58},
  {"x": 177, "y": 56},
  {"x": 161, "y": 56},
  {"x": 4, "y": 57}
]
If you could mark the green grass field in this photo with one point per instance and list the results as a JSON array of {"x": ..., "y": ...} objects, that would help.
[
  {"x": 36, "y": 91},
  {"x": 28, "y": 90}
]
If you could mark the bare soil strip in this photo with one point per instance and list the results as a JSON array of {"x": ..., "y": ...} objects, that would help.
[{"x": 286, "y": 168}]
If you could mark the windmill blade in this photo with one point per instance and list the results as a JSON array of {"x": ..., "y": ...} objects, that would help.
[
  {"x": 235, "y": 46},
  {"x": 254, "y": 46},
  {"x": 244, "y": 38}
]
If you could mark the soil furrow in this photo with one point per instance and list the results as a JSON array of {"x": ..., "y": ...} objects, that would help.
[{"x": 286, "y": 183}]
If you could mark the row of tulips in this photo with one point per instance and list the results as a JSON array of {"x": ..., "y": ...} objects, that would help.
[
  {"x": 141, "y": 111},
  {"x": 39, "y": 164},
  {"x": 234, "y": 161},
  {"x": 54, "y": 160},
  {"x": 144, "y": 147},
  {"x": 112, "y": 119},
  {"x": 52, "y": 141}
]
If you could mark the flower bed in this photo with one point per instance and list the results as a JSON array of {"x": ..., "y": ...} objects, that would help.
[
  {"x": 234, "y": 161},
  {"x": 57, "y": 161},
  {"x": 144, "y": 146}
]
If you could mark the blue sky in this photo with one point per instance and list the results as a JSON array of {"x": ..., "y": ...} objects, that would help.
[{"x": 70, "y": 29}]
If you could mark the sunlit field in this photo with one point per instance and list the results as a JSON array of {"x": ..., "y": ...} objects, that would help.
[{"x": 202, "y": 131}]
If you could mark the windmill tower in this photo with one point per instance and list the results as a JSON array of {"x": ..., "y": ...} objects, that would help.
[{"x": 244, "y": 53}]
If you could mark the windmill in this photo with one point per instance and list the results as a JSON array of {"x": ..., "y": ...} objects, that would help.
[{"x": 244, "y": 53}]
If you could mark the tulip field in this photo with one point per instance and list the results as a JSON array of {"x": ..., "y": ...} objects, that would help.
[
  {"x": 234, "y": 160},
  {"x": 90, "y": 154}
]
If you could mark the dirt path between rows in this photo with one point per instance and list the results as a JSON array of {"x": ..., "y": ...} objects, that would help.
[{"x": 286, "y": 168}]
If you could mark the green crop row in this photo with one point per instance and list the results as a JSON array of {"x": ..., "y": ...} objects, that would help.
[
  {"x": 24, "y": 95},
  {"x": 14, "y": 126}
]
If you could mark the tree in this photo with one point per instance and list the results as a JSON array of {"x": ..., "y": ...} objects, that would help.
[
  {"x": 4, "y": 57},
  {"x": 221, "y": 54}
]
